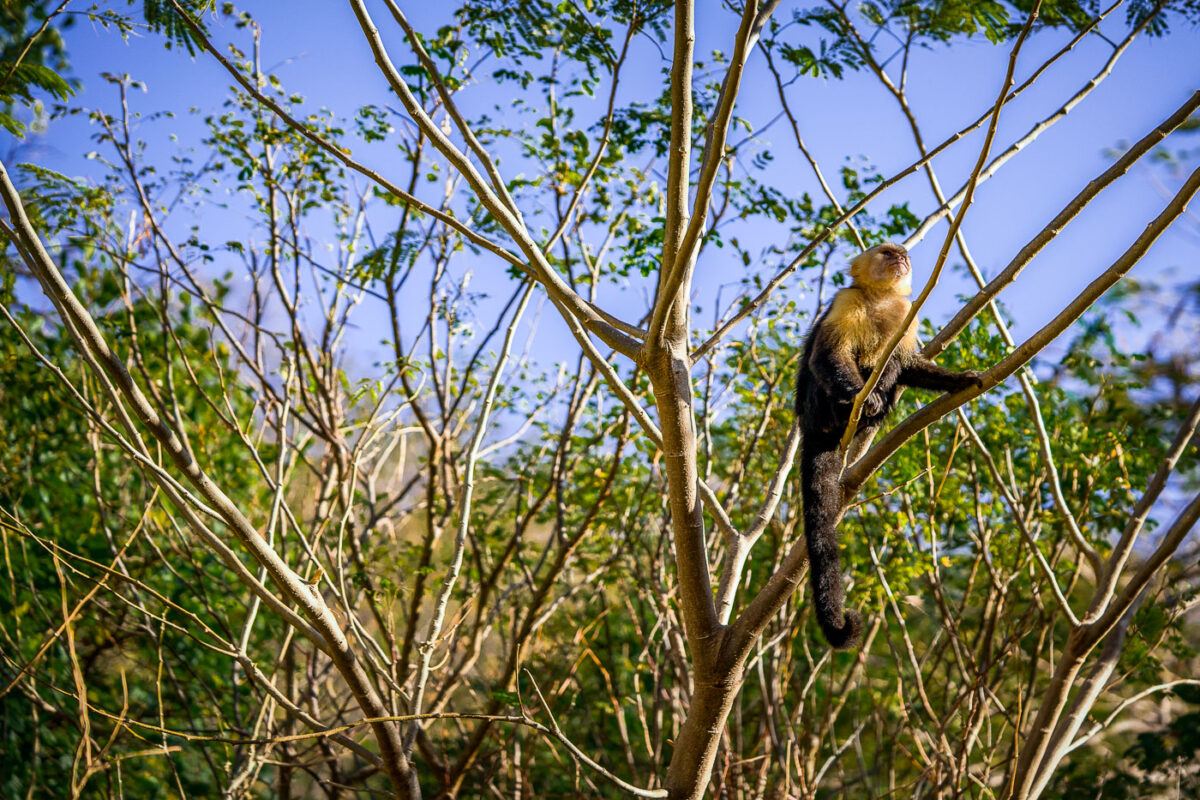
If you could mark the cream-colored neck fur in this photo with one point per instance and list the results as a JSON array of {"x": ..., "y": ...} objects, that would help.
[{"x": 863, "y": 318}]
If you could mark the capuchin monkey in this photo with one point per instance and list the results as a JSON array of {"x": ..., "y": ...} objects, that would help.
[{"x": 842, "y": 349}]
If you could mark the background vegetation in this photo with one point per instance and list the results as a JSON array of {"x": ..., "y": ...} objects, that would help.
[{"x": 442, "y": 446}]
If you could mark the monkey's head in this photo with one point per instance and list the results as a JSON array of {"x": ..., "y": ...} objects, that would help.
[{"x": 885, "y": 266}]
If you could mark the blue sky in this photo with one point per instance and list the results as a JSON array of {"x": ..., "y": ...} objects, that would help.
[{"x": 317, "y": 50}]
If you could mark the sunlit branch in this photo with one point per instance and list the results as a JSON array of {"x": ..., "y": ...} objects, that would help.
[
  {"x": 510, "y": 219},
  {"x": 909, "y": 319},
  {"x": 1141, "y": 512},
  {"x": 434, "y": 632},
  {"x": 946, "y": 206},
  {"x": 922, "y": 418},
  {"x": 752, "y": 305},
  {"x": 1006, "y": 276},
  {"x": 680, "y": 154},
  {"x": 339, "y": 154},
  {"x": 679, "y": 267},
  {"x": 739, "y": 544}
]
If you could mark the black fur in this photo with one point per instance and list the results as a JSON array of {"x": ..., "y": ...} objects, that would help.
[{"x": 825, "y": 389}]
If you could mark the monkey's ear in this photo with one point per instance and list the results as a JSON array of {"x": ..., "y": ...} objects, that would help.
[{"x": 859, "y": 265}]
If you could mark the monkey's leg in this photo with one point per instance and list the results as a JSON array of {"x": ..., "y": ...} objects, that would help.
[{"x": 882, "y": 400}]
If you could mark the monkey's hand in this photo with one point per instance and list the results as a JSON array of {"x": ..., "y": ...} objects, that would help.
[
  {"x": 972, "y": 379},
  {"x": 873, "y": 404}
]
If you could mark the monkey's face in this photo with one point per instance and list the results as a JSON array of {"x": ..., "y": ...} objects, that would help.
[{"x": 884, "y": 266}]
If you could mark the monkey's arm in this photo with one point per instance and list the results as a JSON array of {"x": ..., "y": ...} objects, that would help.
[
  {"x": 922, "y": 373},
  {"x": 840, "y": 378},
  {"x": 835, "y": 371}
]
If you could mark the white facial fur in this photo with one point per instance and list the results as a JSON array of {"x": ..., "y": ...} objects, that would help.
[
  {"x": 896, "y": 268},
  {"x": 884, "y": 266}
]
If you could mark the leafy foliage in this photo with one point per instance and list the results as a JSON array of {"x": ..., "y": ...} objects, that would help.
[
  {"x": 29, "y": 60},
  {"x": 328, "y": 353}
]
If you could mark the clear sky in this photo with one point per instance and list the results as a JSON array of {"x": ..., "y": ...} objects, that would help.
[{"x": 317, "y": 50}]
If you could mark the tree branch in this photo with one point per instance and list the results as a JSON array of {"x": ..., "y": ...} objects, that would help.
[{"x": 856, "y": 475}]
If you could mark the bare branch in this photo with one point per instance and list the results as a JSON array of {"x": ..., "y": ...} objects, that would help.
[
  {"x": 509, "y": 218},
  {"x": 447, "y": 219},
  {"x": 756, "y": 302},
  {"x": 1033, "y": 133},
  {"x": 1137, "y": 520},
  {"x": 679, "y": 164},
  {"x": 89, "y": 340},
  {"x": 679, "y": 267}
]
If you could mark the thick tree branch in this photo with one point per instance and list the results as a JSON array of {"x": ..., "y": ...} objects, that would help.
[
  {"x": 681, "y": 265},
  {"x": 679, "y": 156}
]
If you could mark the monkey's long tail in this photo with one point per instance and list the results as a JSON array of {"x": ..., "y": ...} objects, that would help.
[{"x": 820, "y": 476}]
